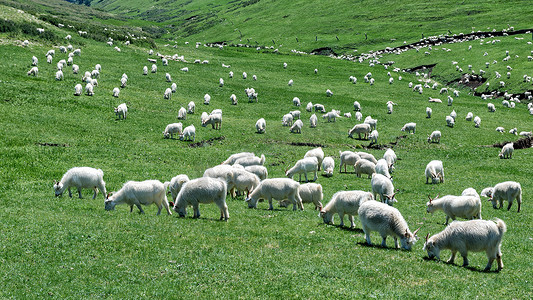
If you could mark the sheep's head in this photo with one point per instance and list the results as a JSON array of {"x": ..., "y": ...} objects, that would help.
[
  {"x": 182, "y": 211},
  {"x": 252, "y": 203},
  {"x": 327, "y": 217},
  {"x": 390, "y": 200},
  {"x": 166, "y": 135},
  {"x": 435, "y": 178},
  {"x": 58, "y": 188},
  {"x": 430, "y": 207},
  {"x": 109, "y": 203},
  {"x": 409, "y": 239},
  {"x": 432, "y": 250}
]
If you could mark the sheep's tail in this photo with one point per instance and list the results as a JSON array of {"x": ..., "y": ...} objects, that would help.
[
  {"x": 501, "y": 226},
  {"x": 166, "y": 184},
  {"x": 262, "y": 159}
]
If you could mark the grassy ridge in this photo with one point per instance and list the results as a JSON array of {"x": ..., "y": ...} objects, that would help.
[{"x": 71, "y": 248}]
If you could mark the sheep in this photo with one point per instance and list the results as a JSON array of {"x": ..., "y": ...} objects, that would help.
[
  {"x": 123, "y": 82},
  {"x": 137, "y": 193},
  {"x": 116, "y": 92},
  {"x": 409, "y": 127},
  {"x": 491, "y": 107},
  {"x": 319, "y": 107},
  {"x": 295, "y": 114},
  {"x": 234, "y": 157},
  {"x": 284, "y": 65},
  {"x": 390, "y": 106},
  {"x": 297, "y": 127},
  {"x": 329, "y": 93},
  {"x": 49, "y": 59},
  {"x": 182, "y": 113},
  {"x": 254, "y": 77},
  {"x": 469, "y": 116},
  {"x": 78, "y": 89},
  {"x": 34, "y": 61},
  {"x": 360, "y": 128},
  {"x": 168, "y": 77},
  {"x": 164, "y": 61},
  {"x": 276, "y": 188},
  {"x": 382, "y": 186},
  {"x": 367, "y": 156},
  {"x": 467, "y": 207},
  {"x": 526, "y": 134},
  {"x": 94, "y": 82},
  {"x": 331, "y": 116},
  {"x": 244, "y": 75},
  {"x": 145, "y": 70},
  {"x": 387, "y": 220},
  {"x": 34, "y": 71},
  {"x": 121, "y": 111},
  {"x": 348, "y": 158},
  {"x": 313, "y": 121},
  {"x": 188, "y": 132},
  {"x": 507, "y": 151},
  {"x": 508, "y": 190},
  {"x": 513, "y": 131},
  {"x": 307, "y": 164},
  {"x": 434, "y": 100},
  {"x": 316, "y": 152},
  {"x": 191, "y": 107},
  {"x": 470, "y": 192},
  {"x": 230, "y": 74},
  {"x": 171, "y": 129},
  {"x": 75, "y": 69},
  {"x": 344, "y": 202},
  {"x": 372, "y": 122},
  {"x": 167, "y": 94},
  {"x": 81, "y": 177},
  {"x": 243, "y": 180},
  {"x": 202, "y": 190},
  {"x": 222, "y": 172},
  {"x": 220, "y": 82},
  {"x": 435, "y": 171},
  {"x": 154, "y": 68},
  {"x": 450, "y": 122},
  {"x": 364, "y": 166},
  {"x": 347, "y": 115},
  {"x": 260, "y": 125},
  {"x": 382, "y": 167},
  {"x": 328, "y": 165},
  {"x": 95, "y": 74},
  {"x": 358, "y": 115},
  {"x": 291, "y": 82},
  {"x": 207, "y": 99},
  {"x": 258, "y": 170},
  {"x": 89, "y": 89},
  {"x": 296, "y": 101},
  {"x": 309, "y": 107},
  {"x": 373, "y": 137},
  {"x": 233, "y": 99},
  {"x": 477, "y": 121},
  {"x": 474, "y": 235},
  {"x": 250, "y": 160},
  {"x": 185, "y": 69}
]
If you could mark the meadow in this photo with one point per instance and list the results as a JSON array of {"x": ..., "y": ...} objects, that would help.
[{"x": 72, "y": 248}]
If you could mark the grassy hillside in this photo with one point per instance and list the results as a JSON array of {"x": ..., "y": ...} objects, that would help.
[{"x": 72, "y": 248}]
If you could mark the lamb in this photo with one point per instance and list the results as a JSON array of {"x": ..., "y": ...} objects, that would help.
[
  {"x": 81, "y": 177},
  {"x": 329, "y": 93},
  {"x": 154, "y": 68},
  {"x": 344, "y": 202},
  {"x": 34, "y": 61},
  {"x": 191, "y": 107},
  {"x": 474, "y": 235},
  {"x": 214, "y": 119},
  {"x": 296, "y": 101},
  {"x": 348, "y": 158},
  {"x": 309, "y": 107},
  {"x": 276, "y": 188},
  {"x": 34, "y": 71},
  {"x": 373, "y": 137},
  {"x": 78, "y": 89},
  {"x": 360, "y": 128},
  {"x": 188, "y": 132},
  {"x": 168, "y": 77},
  {"x": 387, "y": 220},
  {"x": 390, "y": 106},
  {"x": 434, "y": 137},
  {"x": 331, "y": 116},
  {"x": 372, "y": 122},
  {"x": 409, "y": 127},
  {"x": 297, "y": 127},
  {"x": 295, "y": 114},
  {"x": 364, "y": 166},
  {"x": 75, "y": 69},
  {"x": 182, "y": 113},
  {"x": 250, "y": 160},
  {"x": 260, "y": 125},
  {"x": 313, "y": 121},
  {"x": 121, "y": 111},
  {"x": 450, "y": 122},
  {"x": 234, "y": 157},
  {"x": 435, "y": 171},
  {"x": 507, "y": 151},
  {"x": 145, "y": 70},
  {"x": 89, "y": 89},
  {"x": 116, "y": 92},
  {"x": 467, "y": 207},
  {"x": 243, "y": 181},
  {"x": 469, "y": 116},
  {"x": 491, "y": 107},
  {"x": 382, "y": 186},
  {"x": 258, "y": 170},
  {"x": 137, "y": 193},
  {"x": 367, "y": 156},
  {"x": 328, "y": 165},
  {"x": 233, "y": 99},
  {"x": 316, "y": 152},
  {"x": 508, "y": 190},
  {"x": 171, "y": 129},
  {"x": 382, "y": 167},
  {"x": 319, "y": 107},
  {"x": 358, "y": 115},
  {"x": 202, "y": 190},
  {"x": 167, "y": 94},
  {"x": 123, "y": 82},
  {"x": 307, "y": 164},
  {"x": 477, "y": 121}
]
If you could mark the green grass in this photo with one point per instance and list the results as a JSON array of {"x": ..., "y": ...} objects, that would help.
[{"x": 72, "y": 248}]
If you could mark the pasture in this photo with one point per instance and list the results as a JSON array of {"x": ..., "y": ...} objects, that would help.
[{"x": 72, "y": 248}]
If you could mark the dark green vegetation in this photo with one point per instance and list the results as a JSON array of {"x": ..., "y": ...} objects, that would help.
[{"x": 72, "y": 248}]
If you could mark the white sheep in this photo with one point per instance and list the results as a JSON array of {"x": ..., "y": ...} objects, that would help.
[
  {"x": 258, "y": 170},
  {"x": 49, "y": 59},
  {"x": 174, "y": 87},
  {"x": 81, "y": 177},
  {"x": 207, "y": 99},
  {"x": 230, "y": 74},
  {"x": 296, "y": 101},
  {"x": 182, "y": 113},
  {"x": 75, "y": 69},
  {"x": 467, "y": 207},
  {"x": 360, "y": 128},
  {"x": 309, "y": 193},
  {"x": 254, "y": 77},
  {"x": 513, "y": 131},
  {"x": 435, "y": 171},
  {"x": 409, "y": 127},
  {"x": 116, "y": 92},
  {"x": 331, "y": 116},
  {"x": 318, "y": 153},
  {"x": 123, "y": 82},
  {"x": 382, "y": 186},
  {"x": 171, "y": 129},
  {"x": 78, "y": 90},
  {"x": 372, "y": 122},
  {"x": 344, "y": 202},
  {"x": 491, "y": 107},
  {"x": 295, "y": 114},
  {"x": 390, "y": 106},
  {"x": 121, "y": 111},
  {"x": 309, "y": 107},
  {"x": 303, "y": 166},
  {"x": 291, "y": 82},
  {"x": 382, "y": 167},
  {"x": 145, "y": 70},
  {"x": 297, "y": 127},
  {"x": 154, "y": 68},
  {"x": 244, "y": 75},
  {"x": 453, "y": 114},
  {"x": 329, "y": 93},
  {"x": 434, "y": 137},
  {"x": 474, "y": 235},
  {"x": 390, "y": 157},
  {"x": 347, "y": 115},
  {"x": 234, "y": 157},
  {"x": 328, "y": 165},
  {"x": 164, "y": 61},
  {"x": 507, "y": 151},
  {"x": 34, "y": 71},
  {"x": 387, "y": 220},
  {"x": 220, "y": 82},
  {"x": 250, "y": 160},
  {"x": 313, "y": 120},
  {"x": 34, "y": 61},
  {"x": 191, "y": 107},
  {"x": 188, "y": 133},
  {"x": 364, "y": 166},
  {"x": 185, "y": 69},
  {"x": 508, "y": 190},
  {"x": 477, "y": 121},
  {"x": 89, "y": 89},
  {"x": 202, "y": 190},
  {"x": 168, "y": 77},
  {"x": 260, "y": 125},
  {"x": 373, "y": 137},
  {"x": 469, "y": 116},
  {"x": 450, "y": 122},
  {"x": 276, "y": 188},
  {"x": 284, "y": 65},
  {"x": 214, "y": 119},
  {"x": 243, "y": 181},
  {"x": 358, "y": 115},
  {"x": 348, "y": 158},
  {"x": 167, "y": 94},
  {"x": 137, "y": 193},
  {"x": 319, "y": 107},
  {"x": 233, "y": 99},
  {"x": 222, "y": 172},
  {"x": 367, "y": 156}
]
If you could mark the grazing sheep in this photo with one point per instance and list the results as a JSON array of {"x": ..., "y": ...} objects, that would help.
[
  {"x": 309, "y": 193},
  {"x": 367, "y": 156},
  {"x": 307, "y": 164},
  {"x": 34, "y": 71},
  {"x": 207, "y": 99},
  {"x": 145, "y": 70},
  {"x": 276, "y": 188},
  {"x": 121, "y": 111},
  {"x": 309, "y": 107},
  {"x": 81, "y": 177},
  {"x": 348, "y": 158},
  {"x": 434, "y": 137},
  {"x": 89, "y": 89},
  {"x": 450, "y": 122},
  {"x": 185, "y": 69},
  {"x": 513, "y": 131},
  {"x": 34, "y": 61},
  {"x": 364, "y": 166},
  {"x": 168, "y": 77},
  {"x": 260, "y": 125},
  {"x": 188, "y": 133},
  {"x": 296, "y": 101},
  {"x": 243, "y": 181},
  {"x": 474, "y": 235},
  {"x": 202, "y": 190},
  {"x": 508, "y": 190},
  {"x": 328, "y": 165},
  {"x": 295, "y": 114},
  {"x": 123, "y": 82},
  {"x": 469, "y": 116},
  {"x": 234, "y": 157},
  {"x": 433, "y": 100},
  {"x": 78, "y": 89},
  {"x": 167, "y": 94},
  {"x": 220, "y": 82},
  {"x": 526, "y": 134},
  {"x": 214, "y": 119},
  {"x": 372, "y": 122},
  {"x": 182, "y": 113},
  {"x": 222, "y": 172},
  {"x": 250, "y": 160},
  {"x": 244, "y": 75},
  {"x": 382, "y": 167},
  {"x": 154, "y": 68},
  {"x": 331, "y": 116},
  {"x": 116, "y": 92},
  {"x": 319, "y": 107},
  {"x": 171, "y": 129},
  {"x": 477, "y": 121},
  {"x": 453, "y": 114},
  {"x": 329, "y": 93},
  {"x": 382, "y": 186},
  {"x": 373, "y": 137},
  {"x": 387, "y": 220},
  {"x": 258, "y": 170},
  {"x": 291, "y": 82},
  {"x": 409, "y": 127},
  {"x": 390, "y": 157},
  {"x": 467, "y": 207},
  {"x": 358, "y": 115},
  {"x": 297, "y": 127},
  {"x": 491, "y": 107},
  {"x": 313, "y": 120},
  {"x": 435, "y": 171},
  {"x": 316, "y": 152},
  {"x": 390, "y": 106},
  {"x": 284, "y": 65},
  {"x": 233, "y": 99},
  {"x": 191, "y": 107},
  {"x": 470, "y": 192},
  {"x": 507, "y": 151},
  {"x": 347, "y": 115},
  {"x": 137, "y": 193},
  {"x": 450, "y": 101},
  {"x": 75, "y": 69},
  {"x": 344, "y": 202},
  {"x": 360, "y": 128}
]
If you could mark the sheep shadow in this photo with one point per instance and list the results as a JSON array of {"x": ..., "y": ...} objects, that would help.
[
  {"x": 378, "y": 246},
  {"x": 350, "y": 229},
  {"x": 470, "y": 268}
]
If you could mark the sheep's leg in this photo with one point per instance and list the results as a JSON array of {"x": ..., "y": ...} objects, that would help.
[
  {"x": 447, "y": 219},
  {"x": 490, "y": 258},
  {"x": 499, "y": 261},
  {"x": 95, "y": 192},
  {"x": 159, "y": 207},
  {"x": 465, "y": 259},
  {"x": 131, "y": 208},
  {"x": 396, "y": 242},
  {"x": 367, "y": 236},
  {"x": 384, "y": 241},
  {"x": 352, "y": 224},
  {"x": 141, "y": 211},
  {"x": 316, "y": 177},
  {"x": 510, "y": 203},
  {"x": 518, "y": 200},
  {"x": 196, "y": 211},
  {"x": 427, "y": 179},
  {"x": 270, "y": 207},
  {"x": 69, "y": 193},
  {"x": 452, "y": 258},
  {"x": 79, "y": 193},
  {"x": 305, "y": 174},
  {"x": 341, "y": 216}
]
